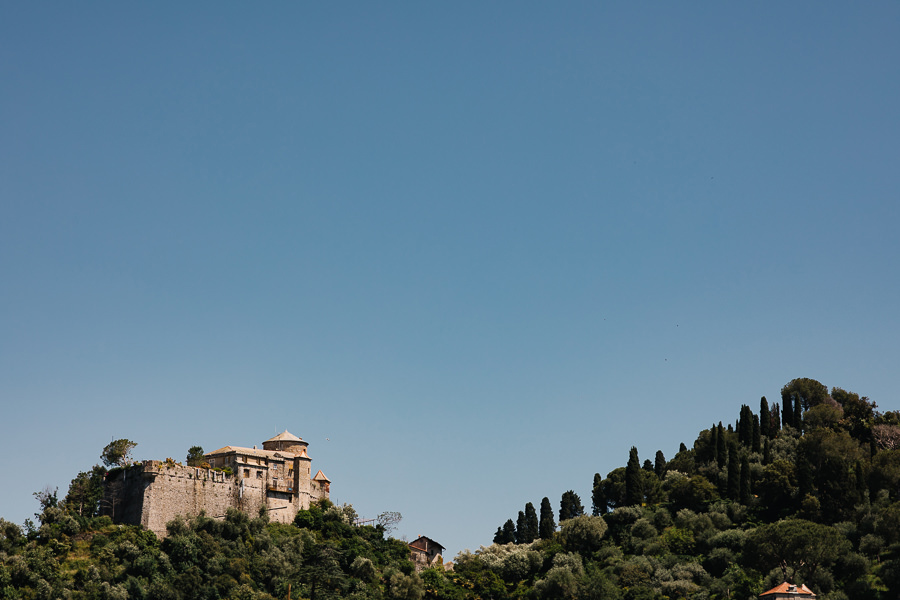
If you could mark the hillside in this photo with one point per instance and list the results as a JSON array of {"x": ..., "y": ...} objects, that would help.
[{"x": 806, "y": 490}]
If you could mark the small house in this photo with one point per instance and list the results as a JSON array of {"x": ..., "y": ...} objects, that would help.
[
  {"x": 788, "y": 591},
  {"x": 425, "y": 552}
]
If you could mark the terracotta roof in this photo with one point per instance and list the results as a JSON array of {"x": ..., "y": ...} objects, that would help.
[
  {"x": 320, "y": 476},
  {"x": 284, "y": 436},
  {"x": 303, "y": 453},
  {"x": 800, "y": 591}
]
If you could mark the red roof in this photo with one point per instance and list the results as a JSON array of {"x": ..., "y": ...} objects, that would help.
[{"x": 800, "y": 591}]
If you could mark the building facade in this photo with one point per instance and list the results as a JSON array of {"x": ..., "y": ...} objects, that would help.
[{"x": 276, "y": 479}]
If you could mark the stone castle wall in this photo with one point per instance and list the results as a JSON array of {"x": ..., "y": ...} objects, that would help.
[{"x": 154, "y": 492}]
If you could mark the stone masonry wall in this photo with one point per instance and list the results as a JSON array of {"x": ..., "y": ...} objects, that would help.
[
  {"x": 155, "y": 492},
  {"x": 174, "y": 490}
]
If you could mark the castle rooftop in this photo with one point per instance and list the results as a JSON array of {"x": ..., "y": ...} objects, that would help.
[{"x": 284, "y": 436}]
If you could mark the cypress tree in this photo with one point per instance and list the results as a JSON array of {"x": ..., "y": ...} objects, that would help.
[
  {"x": 648, "y": 466},
  {"x": 714, "y": 442},
  {"x": 599, "y": 505},
  {"x": 745, "y": 480},
  {"x": 531, "y": 524},
  {"x": 547, "y": 525},
  {"x": 520, "y": 528},
  {"x": 734, "y": 472},
  {"x": 756, "y": 443},
  {"x": 787, "y": 414},
  {"x": 798, "y": 414},
  {"x": 659, "y": 466},
  {"x": 745, "y": 426},
  {"x": 775, "y": 423},
  {"x": 509, "y": 532},
  {"x": 633, "y": 488},
  {"x": 767, "y": 453},
  {"x": 765, "y": 417},
  {"x": 682, "y": 447},
  {"x": 721, "y": 450},
  {"x": 498, "y": 537}
]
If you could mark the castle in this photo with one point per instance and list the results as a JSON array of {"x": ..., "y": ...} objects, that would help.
[{"x": 276, "y": 479}]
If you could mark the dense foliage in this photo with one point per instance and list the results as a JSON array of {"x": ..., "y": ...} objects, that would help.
[{"x": 806, "y": 491}]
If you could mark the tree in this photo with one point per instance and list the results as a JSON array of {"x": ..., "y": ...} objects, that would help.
[
  {"x": 389, "y": 520},
  {"x": 659, "y": 465},
  {"x": 765, "y": 417},
  {"x": 547, "y": 524},
  {"x": 756, "y": 442},
  {"x": 85, "y": 492},
  {"x": 599, "y": 505},
  {"x": 509, "y": 532},
  {"x": 570, "y": 506},
  {"x": 583, "y": 534},
  {"x": 745, "y": 480},
  {"x": 633, "y": 492},
  {"x": 117, "y": 453},
  {"x": 734, "y": 472},
  {"x": 796, "y": 546},
  {"x": 321, "y": 570},
  {"x": 532, "y": 526},
  {"x": 195, "y": 456},
  {"x": 520, "y": 528},
  {"x": 808, "y": 392},
  {"x": 721, "y": 446},
  {"x": 787, "y": 414},
  {"x": 614, "y": 487},
  {"x": 745, "y": 426}
]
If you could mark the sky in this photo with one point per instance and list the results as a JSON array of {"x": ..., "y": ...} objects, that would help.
[{"x": 470, "y": 252}]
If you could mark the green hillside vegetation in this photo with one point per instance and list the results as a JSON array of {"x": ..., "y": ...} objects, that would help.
[{"x": 805, "y": 490}]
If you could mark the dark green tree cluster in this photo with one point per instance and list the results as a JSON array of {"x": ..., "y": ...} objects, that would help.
[{"x": 805, "y": 491}]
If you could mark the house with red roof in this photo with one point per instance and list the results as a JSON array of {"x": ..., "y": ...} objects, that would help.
[{"x": 788, "y": 591}]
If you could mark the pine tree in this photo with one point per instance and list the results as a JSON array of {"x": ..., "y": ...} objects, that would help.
[
  {"x": 599, "y": 505},
  {"x": 531, "y": 524},
  {"x": 647, "y": 466},
  {"x": 634, "y": 493},
  {"x": 547, "y": 524},
  {"x": 659, "y": 466}
]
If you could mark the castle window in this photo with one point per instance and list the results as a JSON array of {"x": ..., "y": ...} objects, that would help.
[
  {"x": 246, "y": 473},
  {"x": 259, "y": 474}
]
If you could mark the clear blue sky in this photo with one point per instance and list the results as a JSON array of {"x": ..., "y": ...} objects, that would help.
[{"x": 482, "y": 248}]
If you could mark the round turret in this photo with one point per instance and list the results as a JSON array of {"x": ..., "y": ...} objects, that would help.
[{"x": 285, "y": 442}]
